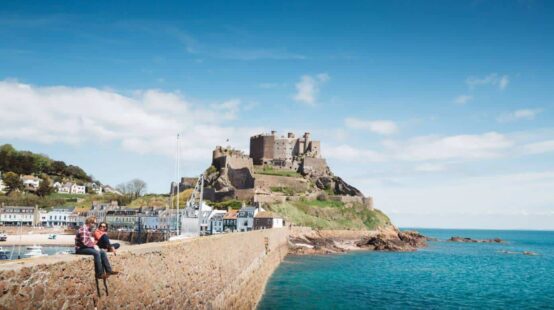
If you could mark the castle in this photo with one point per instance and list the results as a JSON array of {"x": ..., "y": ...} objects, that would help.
[{"x": 302, "y": 154}]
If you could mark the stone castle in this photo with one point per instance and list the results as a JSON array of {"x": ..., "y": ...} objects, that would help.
[{"x": 236, "y": 175}]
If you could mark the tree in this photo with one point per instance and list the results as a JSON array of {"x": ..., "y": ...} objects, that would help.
[
  {"x": 134, "y": 188},
  {"x": 44, "y": 189},
  {"x": 13, "y": 182},
  {"x": 138, "y": 187},
  {"x": 58, "y": 168}
]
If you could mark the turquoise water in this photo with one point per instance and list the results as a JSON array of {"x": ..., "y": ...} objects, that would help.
[{"x": 444, "y": 275}]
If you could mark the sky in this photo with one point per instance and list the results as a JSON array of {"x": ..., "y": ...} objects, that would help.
[{"x": 442, "y": 111}]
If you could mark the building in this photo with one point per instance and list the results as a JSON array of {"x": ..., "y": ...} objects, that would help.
[
  {"x": 3, "y": 187},
  {"x": 110, "y": 190},
  {"x": 168, "y": 219},
  {"x": 267, "y": 220},
  {"x": 216, "y": 222},
  {"x": 245, "y": 218},
  {"x": 230, "y": 221},
  {"x": 58, "y": 217},
  {"x": 149, "y": 218},
  {"x": 125, "y": 218},
  {"x": 270, "y": 149},
  {"x": 95, "y": 188},
  {"x": 78, "y": 189},
  {"x": 77, "y": 218},
  {"x": 99, "y": 210},
  {"x": 16, "y": 216},
  {"x": 65, "y": 188},
  {"x": 30, "y": 182}
]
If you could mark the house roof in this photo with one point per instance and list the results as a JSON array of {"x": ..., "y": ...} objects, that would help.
[
  {"x": 218, "y": 216},
  {"x": 231, "y": 215},
  {"x": 248, "y": 209}
]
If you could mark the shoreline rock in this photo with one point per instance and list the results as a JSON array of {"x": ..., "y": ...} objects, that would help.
[{"x": 305, "y": 241}]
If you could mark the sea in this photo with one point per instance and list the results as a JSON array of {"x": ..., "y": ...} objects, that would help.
[
  {"x": 445, "y": 275},
  {"x": 14, "y": 252}
]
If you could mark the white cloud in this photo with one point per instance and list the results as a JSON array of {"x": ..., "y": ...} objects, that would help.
[
  {"x": 492, "y": 79},
  {"x": 145, "y": 122},
  {"x": 349, "y": 153},
  {"x": 463, "y": 99},
  {"x": 539, "y": 147},
  {"x": 487, "y": 145},
  {"x": 382, "y": 127},
  {"x": 524, "y": 114},
  {"x": 516, "y": 200},
  {"x": 308, "y": 88},
  {"x": 430, "y": 167}
]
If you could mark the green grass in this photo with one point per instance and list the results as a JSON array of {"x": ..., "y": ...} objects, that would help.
[
  {"x": 226, "y": 204},
  {"x": 268, "y": 170},
  {"x": 288, "y": 191},
  {"x": 330, "y": 215}
]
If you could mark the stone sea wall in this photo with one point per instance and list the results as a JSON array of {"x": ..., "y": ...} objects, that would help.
[{"x": 218, "y": 272}]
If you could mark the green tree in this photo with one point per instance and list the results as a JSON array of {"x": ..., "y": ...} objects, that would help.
[
  {"x": 45, "y": 189},
  {"x": 13, "y": 182}
]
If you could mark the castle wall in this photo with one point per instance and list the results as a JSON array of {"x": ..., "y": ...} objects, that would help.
[
  {"x": 227, "y": 271},
  {"x": 262, "y": 148},
  {"x": 317, "y": 166}
]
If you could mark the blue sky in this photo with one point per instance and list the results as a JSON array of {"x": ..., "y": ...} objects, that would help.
[{"x": 441, "y": 110}]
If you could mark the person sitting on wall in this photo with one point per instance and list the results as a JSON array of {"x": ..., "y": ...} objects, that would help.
[
  {"x": 84, "y": 245},
  {"x": 102, "y": 239}
]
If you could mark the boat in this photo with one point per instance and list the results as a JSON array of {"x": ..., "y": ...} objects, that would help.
[
  {"x": 3, "y": 237},
  {"x": 35, "y": 253},
  {"x": 34, "y": 247}
]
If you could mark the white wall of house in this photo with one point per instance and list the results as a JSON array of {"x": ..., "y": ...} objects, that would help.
[
  {"x": 277, "y": 222},
  {"x": 58, "y": 218},
  {"x": 78, "y": 189}
]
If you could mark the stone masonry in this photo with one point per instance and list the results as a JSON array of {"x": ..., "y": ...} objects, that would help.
[{"x": 219, "y": 272}]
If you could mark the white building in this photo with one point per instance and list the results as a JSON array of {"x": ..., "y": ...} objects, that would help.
[
  {"x": 65, "y": 188},
  {"x": 57, "y": 185},
  {"x": 195, "y": 219},
  {"x": 58, "y": 217},
  {"x": 78, "y": 189},
  {"x": 30, "y": 182},
  {"x": 245, "y": 218},
  {"x": 3, "y": 187},
  {"x": 216, "y": 221},
  {"x": 15, "y": 216}
]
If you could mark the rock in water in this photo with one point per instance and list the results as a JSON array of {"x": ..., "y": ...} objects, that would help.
[{"x": 469, "y": 240}]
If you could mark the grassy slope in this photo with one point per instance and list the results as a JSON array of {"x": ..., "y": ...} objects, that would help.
[{"x": 330, "y": 215}]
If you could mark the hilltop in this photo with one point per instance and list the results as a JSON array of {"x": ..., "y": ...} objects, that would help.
[
  {"x": 29, "y": 163},
  {"x": 289, "y": 176}
]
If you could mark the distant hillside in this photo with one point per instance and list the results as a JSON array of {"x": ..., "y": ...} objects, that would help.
[{"x": 29, "y": 163}]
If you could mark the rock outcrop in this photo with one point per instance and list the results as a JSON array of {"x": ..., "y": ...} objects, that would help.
[{"x": 304, "y": 241}]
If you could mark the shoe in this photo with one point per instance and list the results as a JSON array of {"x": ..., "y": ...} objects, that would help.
[
  {"x": 103, "y": 276},
  {"x": 113, "y": 273}
]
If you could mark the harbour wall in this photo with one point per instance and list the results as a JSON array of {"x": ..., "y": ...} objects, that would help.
[{"x": 227, "y": 271}]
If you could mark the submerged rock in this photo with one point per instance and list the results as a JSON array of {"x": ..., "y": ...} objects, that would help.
[{"x": 469, "y": 240}]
